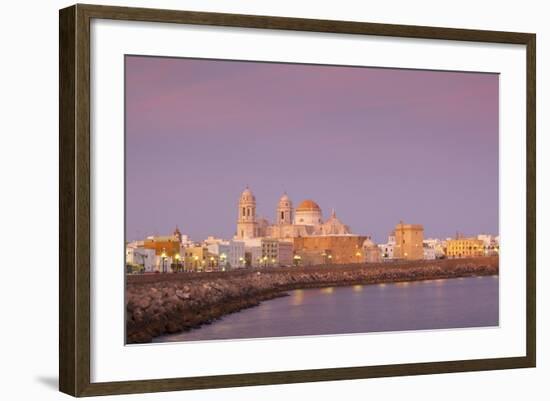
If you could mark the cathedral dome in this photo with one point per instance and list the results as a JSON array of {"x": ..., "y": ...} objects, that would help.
[
  {"x": 308, "y": 205},
  {"x": 308, "y": 213}
]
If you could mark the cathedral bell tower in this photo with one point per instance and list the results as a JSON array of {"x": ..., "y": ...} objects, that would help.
[
  {"x": 284, "y": 211},
  {"x": 247, "y": 226}
]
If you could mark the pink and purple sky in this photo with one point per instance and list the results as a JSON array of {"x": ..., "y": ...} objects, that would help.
[{"x": 377, "y": 145}]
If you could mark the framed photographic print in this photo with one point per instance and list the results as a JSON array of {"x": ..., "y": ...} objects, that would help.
[{"x": 250, "y": 200}]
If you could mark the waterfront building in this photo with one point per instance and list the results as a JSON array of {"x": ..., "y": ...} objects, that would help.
[
  {"x": 167, "y": 264},
  {"x": 429, "y": 251},
  {"x": 461, "y": 247},
  {"x": 371, "y": 251},
  {"x": 437, "y": 245},
  {"x": 236, "y": 254},
  {"x": 490, "y": 244},
  {"x": 229, "y": 253},
  {"x": 170, "y": 245},
  {"x": 270, "y": 257},
  {"x": 409, "y": 241},
  {"x": 221, "y": 252},
  {"x": 268, "y": 252},
  {"x": 140, "y": 258},
  {"x": 252, "y": 252},
  {"x": 285, "y": 253},
  {"x": 195, "y": 257},
  {"x": 329, "y": 249},
  {"x": 262, "y": 252},
  {"x": 167, "y": 251},
  {"x": 388, "y": 248}
]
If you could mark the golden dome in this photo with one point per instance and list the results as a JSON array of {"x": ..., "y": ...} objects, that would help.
[{"x": 308, "y": 205}]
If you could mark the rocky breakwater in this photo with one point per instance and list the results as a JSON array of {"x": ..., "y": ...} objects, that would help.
[{"x": 169, "y": 303}]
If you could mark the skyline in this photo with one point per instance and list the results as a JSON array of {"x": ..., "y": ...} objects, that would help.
[{"x": 377, "y": 145}]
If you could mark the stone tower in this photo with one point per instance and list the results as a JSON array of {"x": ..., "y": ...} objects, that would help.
[
  {"x": 284, "y": 210},
  {"x": 247, "y": 226},
  {"x": 409, "y": 241}
]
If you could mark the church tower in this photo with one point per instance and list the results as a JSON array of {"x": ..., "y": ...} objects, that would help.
[
  {"x": 177, "y": 234},
  {"x": 247, "y": 226},
  {"x": 284, "y": 210}
]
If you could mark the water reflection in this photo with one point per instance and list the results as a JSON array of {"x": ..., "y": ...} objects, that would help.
[
  {"x": 297, "y": 297},
  {"x": 436, "y": 304}
]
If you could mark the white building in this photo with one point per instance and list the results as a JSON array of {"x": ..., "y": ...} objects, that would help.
[
  {"x": 185, "y": 240},
  {"x": 438, "y": 247},
  {"x": 236, "y": 254},
  {"x": 267, "y": 252},
  {"x": 163, "y": 264},
  {"x": 491, "y": 244},
  {"x": 388, "y": 248},
  {"x": 230, "y": 253},
  {"x": 136, "y": 255},
  {"x": 253, "y": 251},
  {"x": 429, "y": 251}
]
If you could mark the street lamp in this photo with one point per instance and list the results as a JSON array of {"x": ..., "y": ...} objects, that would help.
[
  {"x": 177, "y": 257},
  {"x": 163, "y": 258}
]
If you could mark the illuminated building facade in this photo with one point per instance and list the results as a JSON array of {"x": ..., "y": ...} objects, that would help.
[{"x": 409, "y": 242}]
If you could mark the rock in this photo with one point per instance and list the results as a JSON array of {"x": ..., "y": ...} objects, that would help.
[
  {"x": 130, "y": 305},
  {"x": 183, "y": 294},
  {"x": 154, "y": 293},
  {"x": 144, "y": 302},
  {"x": 137, "y": 315}
]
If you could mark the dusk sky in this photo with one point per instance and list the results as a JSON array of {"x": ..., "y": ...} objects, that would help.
[{"x": 377, "y": 145}]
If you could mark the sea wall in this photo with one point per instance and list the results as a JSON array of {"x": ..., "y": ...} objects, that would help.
[{"x": 159, "y": 304}]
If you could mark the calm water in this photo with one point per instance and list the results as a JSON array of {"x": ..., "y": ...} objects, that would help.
[{"x": 433, "y": 304}]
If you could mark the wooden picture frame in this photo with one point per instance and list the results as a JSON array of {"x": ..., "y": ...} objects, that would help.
[{"x": 75, "y": 207}]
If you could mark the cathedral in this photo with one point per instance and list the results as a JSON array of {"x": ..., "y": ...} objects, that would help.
[{"x": 304, "y": 221}]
